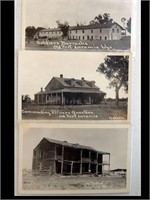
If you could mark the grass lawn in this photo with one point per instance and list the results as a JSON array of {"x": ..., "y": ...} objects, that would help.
[
  {"x": 84, "y": 112},
  {"x": 94, "y": 45}
]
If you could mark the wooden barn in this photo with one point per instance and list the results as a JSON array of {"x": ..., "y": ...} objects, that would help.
[
  {"x": 69, "y": 91},
  {"x": 61, "y": 157}
]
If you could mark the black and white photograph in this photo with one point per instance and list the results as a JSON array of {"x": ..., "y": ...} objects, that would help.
[
  {"x": 64, "y": 86},
  {"x": 81, "y": 25},
  {"x": 72, "y": 160}
]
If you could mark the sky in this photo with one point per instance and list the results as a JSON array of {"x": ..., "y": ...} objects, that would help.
[
  {"x": 45, "y": 12},
  {"x": 36, "y": 69},
  {"x": 111, "y": 140}
]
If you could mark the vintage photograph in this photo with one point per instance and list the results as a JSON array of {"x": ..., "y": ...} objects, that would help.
[
  {"x": 73, "y": 160},
  {"x": 64, "y": 86},
  {"x": 85, "y": 25}
]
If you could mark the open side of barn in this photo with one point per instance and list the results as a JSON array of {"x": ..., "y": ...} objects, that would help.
[{"x": 57, "y": 157}]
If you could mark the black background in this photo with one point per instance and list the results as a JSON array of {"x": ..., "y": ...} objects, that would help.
[{"x": 7, "y": 106}]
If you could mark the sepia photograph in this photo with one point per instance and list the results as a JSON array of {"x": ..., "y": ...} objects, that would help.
[
  {"x": 72, "y": 160},
  {"x": 64, "y": 86},
  {"x": 70, "y": 25}
]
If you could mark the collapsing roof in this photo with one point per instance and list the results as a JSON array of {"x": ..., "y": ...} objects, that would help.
[{"x": 68, "y": 144}]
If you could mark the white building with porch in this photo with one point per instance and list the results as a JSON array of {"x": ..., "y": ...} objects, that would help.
[{"x": 70, "y": 91}]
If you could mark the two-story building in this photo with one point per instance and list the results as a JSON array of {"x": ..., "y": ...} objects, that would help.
[
  {"x": 61, "y": 157},
  {"x": 110, "y": 31},
  {"x": 69, "y": 91}
]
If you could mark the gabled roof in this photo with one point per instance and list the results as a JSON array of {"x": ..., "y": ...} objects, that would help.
[
  {"x": 72, "y": 85},
  {"x": 75, "y": 83},
  {"x": 68, "y": 144},
  {"x": 94, "y": 26},
  {"x": 84, "y": 27}
]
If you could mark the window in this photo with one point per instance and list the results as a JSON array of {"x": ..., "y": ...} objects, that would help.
[
  {"x": 76, "y": 31},
  {"x": 91, "y": 37},
  {"x": 91, "y": 31},
  {"x": 70, "y": 31},
  {"x": 117, "y": 30},
  {"x": 100, "y": 30},
  {"x": 41, "y": 154},
  {"x": 105, "y": 37},
  {"x": 112, "y": 30},
  {"x": 73, "y": 37},
  {"x": 79, "y": 37},
  {"x": 100, "y": 37},
  {"x": 82, "y": 31},
  {"x": 83, "y": 37}
]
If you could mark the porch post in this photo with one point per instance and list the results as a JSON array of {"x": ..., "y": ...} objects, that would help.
[
  {"x": 97, "y": 164},
  {"x": 46, "y": 98},
  {"x": 55, "y": 161},
  {"x": 38, "y": 99},
  {"x": 62, "y": 98},
  {"x": 56, "y": 98},
  {"x": 109, "y": 163},
  {"x": 71, "y": 167},
  {"x": 89, "y": 99},
  {"x": 81, "y": 161},
  {"x": 89, "y": 160},
  {"x": 51, "y": 98},
  {"x": 62, "y": 160}
]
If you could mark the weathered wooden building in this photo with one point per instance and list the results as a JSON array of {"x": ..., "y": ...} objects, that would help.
[
  {"x": 69, "y": 91},
  {"x": 110, "y": 31},
  {"x": 62, "y": 157}
]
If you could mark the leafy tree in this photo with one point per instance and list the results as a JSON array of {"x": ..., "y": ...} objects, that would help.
[
  {"x": 30, "y": 31},
  {"x": 102, "y": 19},
  {"x": 115, "y": 69},
  {"x": 64, "y": 27},
  {"x": 26, "y": 98},
  {"x": 80, "y": 23},
  {"x": 129, "y": 25},
  {"x": 39, "y": 29}
]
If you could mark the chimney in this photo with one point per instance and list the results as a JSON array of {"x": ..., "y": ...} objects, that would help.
[
  {"x": 93, "y": 83},
  {"x": 41, "y": 89},
  {"x": 61, "y": 75},
  {"x": 82, "y": 78}
]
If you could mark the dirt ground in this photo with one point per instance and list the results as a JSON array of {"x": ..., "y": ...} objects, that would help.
[
  {"x": 57, "y": 182},
  {"x": 90, "y": 112}
]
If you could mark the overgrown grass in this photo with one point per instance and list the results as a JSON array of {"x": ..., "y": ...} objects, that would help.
[{"x": 31, "y": 182}]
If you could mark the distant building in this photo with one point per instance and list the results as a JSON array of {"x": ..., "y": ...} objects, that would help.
[
  {"x": 69, "y": 91},
  {"x": 118, "y": 172},
  {"x": 110, "y": 31},
  {"x": 61, "y": 157}
]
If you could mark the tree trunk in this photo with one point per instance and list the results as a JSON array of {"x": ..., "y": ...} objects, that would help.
[{"x": 117, "y": 96}]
